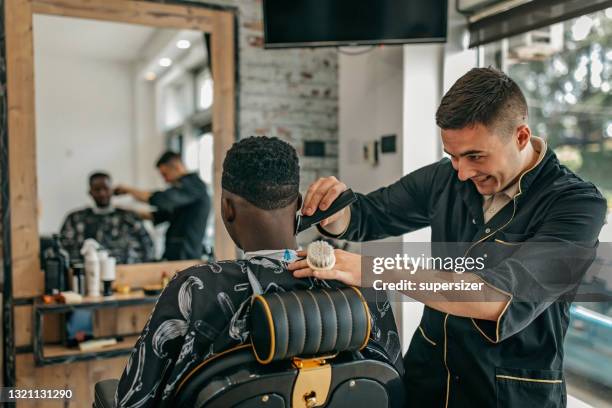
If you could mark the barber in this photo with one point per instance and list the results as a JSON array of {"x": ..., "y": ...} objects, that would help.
[
  {"x": 501, "y": 187},
  {"x": 185, "y": 205}
]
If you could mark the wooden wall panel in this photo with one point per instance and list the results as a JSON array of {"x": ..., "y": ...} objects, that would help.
[
  {"x": 223, "y": 68},
  {"x": 139, "y": 275},
  {"x": 80, "y": 377},
  {"x": 123, "y": 321},
  {"x": 52, "y": 327},
  {"x": 27, "y": 277},
  {"x": 136, "y": 12},
  {"x": 107, "y": 322}
]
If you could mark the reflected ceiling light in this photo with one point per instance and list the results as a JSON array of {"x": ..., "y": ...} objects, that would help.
[
  {"x": 150, "y": 76},
  {"x": 183, "y": 44},
  {"x": 165, "y": 62}
]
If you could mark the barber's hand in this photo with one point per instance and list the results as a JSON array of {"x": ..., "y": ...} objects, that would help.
[
  {"x": 144, "y": 214},
  {"x": 121, "y": 189},
  {"x": 346, "y": 270},
  {"x": 321, "y": 194}
]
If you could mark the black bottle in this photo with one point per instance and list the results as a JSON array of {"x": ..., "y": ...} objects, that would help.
[
  {"x": 56, "y": 267},
  {"x": 78, "y": 278}
]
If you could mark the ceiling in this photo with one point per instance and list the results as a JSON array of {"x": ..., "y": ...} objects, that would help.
[{"x": 68, "y": 36}]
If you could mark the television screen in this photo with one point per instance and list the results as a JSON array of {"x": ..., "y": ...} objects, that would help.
[{"x": 324, "y": 23}]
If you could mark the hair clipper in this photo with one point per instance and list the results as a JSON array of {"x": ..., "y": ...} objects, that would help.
[{"x": 345, "y": 199}]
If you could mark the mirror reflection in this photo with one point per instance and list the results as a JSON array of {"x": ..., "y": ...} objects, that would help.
[{"x": 124, "y": 139}]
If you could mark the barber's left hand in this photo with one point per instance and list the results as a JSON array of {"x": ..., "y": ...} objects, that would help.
[{"x": 346, "y": 270}]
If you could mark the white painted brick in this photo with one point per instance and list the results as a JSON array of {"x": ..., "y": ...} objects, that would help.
[
  {"x": 331, "y": 149},
  {"x": 318, "y": 163},
  {"x": 291, "y": 93}
]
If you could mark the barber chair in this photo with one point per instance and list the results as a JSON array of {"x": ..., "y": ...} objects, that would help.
[{"x": 308, "y": 349}]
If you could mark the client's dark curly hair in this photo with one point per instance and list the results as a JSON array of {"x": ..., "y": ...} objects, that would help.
[{"x": 263, "y": 170}]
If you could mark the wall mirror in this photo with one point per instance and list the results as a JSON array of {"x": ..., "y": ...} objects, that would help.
[
  {"x": 104, "y": 85},
  {"x": 107, "y": 86},
  {"x": 109, "y": 99}
]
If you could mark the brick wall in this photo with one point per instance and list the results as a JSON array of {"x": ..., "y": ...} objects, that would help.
[{"x": 288, "y": 93}]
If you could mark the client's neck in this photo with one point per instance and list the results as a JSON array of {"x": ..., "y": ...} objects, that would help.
[{"x": 269, "y": 232}]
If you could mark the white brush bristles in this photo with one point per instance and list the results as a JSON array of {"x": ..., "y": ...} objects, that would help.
[{"x": 320, "y": 256}]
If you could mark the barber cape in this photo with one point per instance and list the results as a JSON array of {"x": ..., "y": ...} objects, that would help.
[{"x": 119, "y": 231}]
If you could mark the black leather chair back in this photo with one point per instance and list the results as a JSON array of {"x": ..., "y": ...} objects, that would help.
[
  {"x": 308, "y": 350},
  {"x": 305, "y": 352},
  {"x": 238, "y": 380}
]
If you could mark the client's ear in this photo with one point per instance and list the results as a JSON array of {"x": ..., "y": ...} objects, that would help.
[{"x": 228, "y": 211}]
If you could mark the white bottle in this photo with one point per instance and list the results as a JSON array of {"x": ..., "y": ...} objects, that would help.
[
  {"x": 107, "y": 267},
  {"x": 92, "y": 266},
  {"x": 103, "y": 259},
  {"x": 107, "y": 272}
]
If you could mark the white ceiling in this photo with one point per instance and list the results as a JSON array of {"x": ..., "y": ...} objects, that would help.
[{"x": 67, "y": 36}]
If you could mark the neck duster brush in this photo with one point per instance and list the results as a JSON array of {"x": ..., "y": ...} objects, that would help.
[{"x": 320, "y": 256}]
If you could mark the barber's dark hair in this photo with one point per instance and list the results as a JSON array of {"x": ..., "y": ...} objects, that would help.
[
  {"x": 168, "y": 157},
  {"x": 98, "y": 174},
  {"x": 265, "y": 171},
  {"x": 486, "y": 96}
]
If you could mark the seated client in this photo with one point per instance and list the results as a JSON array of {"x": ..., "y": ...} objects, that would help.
[
  {"x": 119, "y": 231},
  {"x": 203, "y": 310}
]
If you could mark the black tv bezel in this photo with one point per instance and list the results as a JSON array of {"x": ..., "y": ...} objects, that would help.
[{"x": 329, "y": 44}]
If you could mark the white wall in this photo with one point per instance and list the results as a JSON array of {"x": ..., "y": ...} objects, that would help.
[
  {"x": 83, "y": 123},
  {"x": 149, "y": 140},
  {"x": 429, "y": 71},
  {"x": 370, "y": 94},
  {"x": 423, "y": 64}
]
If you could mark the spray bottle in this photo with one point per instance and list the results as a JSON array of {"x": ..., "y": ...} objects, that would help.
[{"x": 92, "y": 266}]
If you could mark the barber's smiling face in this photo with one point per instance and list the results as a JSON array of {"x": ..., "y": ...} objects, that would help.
[{"x": 490, "y": 161}]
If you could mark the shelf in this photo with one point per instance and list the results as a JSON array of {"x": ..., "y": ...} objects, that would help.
[
  {"x": 98, "y": 302},
  {"x": 57, "y": 353},
  {"x": 45, "y": 354}
]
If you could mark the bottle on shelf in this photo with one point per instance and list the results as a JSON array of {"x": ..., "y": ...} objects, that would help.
[
  {"x": 107, "y": 271},
  {"x": 56, "y": 266},
  {"x": 78, "y": 278},
  {"x": 92, "y": 266}
]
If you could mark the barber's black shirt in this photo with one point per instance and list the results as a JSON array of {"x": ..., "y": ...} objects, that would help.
[
  {"x": 204, "y": 311},
  {"x": 185, "y": 206},
  {"x": 528, "y": 246}
]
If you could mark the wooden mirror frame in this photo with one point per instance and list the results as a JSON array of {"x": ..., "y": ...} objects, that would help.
[{"x": 22, "y": 271}]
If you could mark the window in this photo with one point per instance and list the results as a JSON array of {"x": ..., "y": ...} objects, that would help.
[
  {"x": 565, "y": 71},
  {"x": 204, "y": 89},
  {"x": 177, "y": 102},
  {"x": 198, "y": 157}
]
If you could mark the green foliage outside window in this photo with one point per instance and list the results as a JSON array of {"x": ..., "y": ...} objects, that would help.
[{"x": 565, "y": 72}]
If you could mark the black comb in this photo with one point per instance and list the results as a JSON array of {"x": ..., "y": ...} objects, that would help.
[{"x": 304, "y": 222}]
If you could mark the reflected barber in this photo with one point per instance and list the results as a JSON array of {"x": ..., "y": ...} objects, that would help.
[
  {"x": 185, "y": 205},
  {"x": 501, "y": 184}
]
